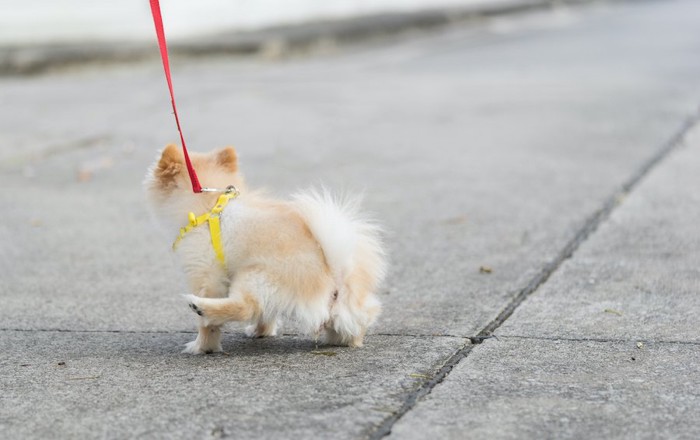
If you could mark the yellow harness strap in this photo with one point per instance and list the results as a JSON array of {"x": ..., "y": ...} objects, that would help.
[{"x": 211, "y": 217}]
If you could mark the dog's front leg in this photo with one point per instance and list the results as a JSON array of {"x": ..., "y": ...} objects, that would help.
[
  {"x": 209, "y": 336},
  {"x": 208, "y": 340}
]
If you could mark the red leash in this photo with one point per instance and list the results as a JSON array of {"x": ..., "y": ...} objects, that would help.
[{"x": 158, "y": 21}]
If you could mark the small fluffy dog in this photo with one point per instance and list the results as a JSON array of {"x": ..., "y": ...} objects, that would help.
[{"x": 312, "y": 258}]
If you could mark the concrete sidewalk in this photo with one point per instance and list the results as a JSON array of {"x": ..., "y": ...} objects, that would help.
[{"x": 560, "y": 151}]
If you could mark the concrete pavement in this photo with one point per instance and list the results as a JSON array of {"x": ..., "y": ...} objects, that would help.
[
  {"x": 609, "y": 346},
  {"x": 498, "y": 146}
]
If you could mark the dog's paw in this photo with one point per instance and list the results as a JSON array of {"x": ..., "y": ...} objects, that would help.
[
  {"x": 252, "y": 331},
  {"x": 261, "y": 330},
  {"x": 199, "y": 306},
  {"x": 332, "y": 337},
  {"x": 195, "y": 347},
  {"x": 192, "y": 302},
  {"x": 196, "y": 309}
]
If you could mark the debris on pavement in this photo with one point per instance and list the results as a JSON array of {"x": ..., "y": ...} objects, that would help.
[
  {"x": 87, "y": 170},
  {"x": 419, "y": 376},
  {"x": 459, "y": 220}
]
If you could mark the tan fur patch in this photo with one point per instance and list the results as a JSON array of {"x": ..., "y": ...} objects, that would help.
[
  {"x": 284, "y": 236},
  {"x": 227, "y": 159},
  {"x": 169, "y": 166},
  {"x": 244, "y": 310}
]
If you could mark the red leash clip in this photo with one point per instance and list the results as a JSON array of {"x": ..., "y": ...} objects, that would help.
[{"x": 158, "y": 21}]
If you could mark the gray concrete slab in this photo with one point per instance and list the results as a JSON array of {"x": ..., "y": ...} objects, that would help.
[
  {"x": 469, "y": 159},
  {"x": 529, "y": 388},
  {"x": 638, "y": 277},
  {"x": 480, "y": 146},
  {"x": 605, "y": 345},
  {"x": 128, "y": 385}
]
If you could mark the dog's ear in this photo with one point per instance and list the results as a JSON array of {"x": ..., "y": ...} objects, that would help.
[
  {"x": 227, "y": 159},
  {"x": 170, "y": 164}
]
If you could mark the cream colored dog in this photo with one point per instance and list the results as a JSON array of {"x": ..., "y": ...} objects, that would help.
[{"x": 312, "y": 258}]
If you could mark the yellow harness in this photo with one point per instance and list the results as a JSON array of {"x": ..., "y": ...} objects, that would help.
[{"x": 211, "y": 217}]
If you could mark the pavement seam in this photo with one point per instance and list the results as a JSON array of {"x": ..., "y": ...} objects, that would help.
[
  {"x": 58, "y": 330},
  {"x": 61, "y": 330},
  {"x": 590, "y": 225},
  {"x": 602, "y": 340}
]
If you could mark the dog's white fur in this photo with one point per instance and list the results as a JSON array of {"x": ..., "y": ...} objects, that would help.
[{"x": 314, "y": 258}]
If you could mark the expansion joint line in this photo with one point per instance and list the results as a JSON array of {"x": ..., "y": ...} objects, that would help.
[
  {"x": 645, "y": 341},
  {"x": 589, "y": 226}
]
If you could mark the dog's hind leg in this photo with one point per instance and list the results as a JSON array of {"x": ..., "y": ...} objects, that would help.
[
  {"x": 242, "y": 303},
  {"x": 354, "y": 311},
  {"x": 265, "y": 326},
  {"x": 218, "y": 311}
]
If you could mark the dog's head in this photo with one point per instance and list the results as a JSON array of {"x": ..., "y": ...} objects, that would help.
[{"x": 168, "y": 184}]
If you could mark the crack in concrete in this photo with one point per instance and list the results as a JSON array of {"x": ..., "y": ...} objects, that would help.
[{"x": 590, "y": 225}]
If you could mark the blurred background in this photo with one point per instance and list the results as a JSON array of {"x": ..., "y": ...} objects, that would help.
[{"x": 69, "y": 21}]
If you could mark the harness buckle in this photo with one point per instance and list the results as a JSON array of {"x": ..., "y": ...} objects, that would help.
[{"x": 229, "y": 189}]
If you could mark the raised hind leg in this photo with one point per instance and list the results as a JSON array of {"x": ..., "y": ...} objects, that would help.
[{"x": 242, "y": 303}]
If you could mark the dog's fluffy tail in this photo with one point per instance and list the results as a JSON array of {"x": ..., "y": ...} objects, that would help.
[{"x": 349, "y": 241}]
